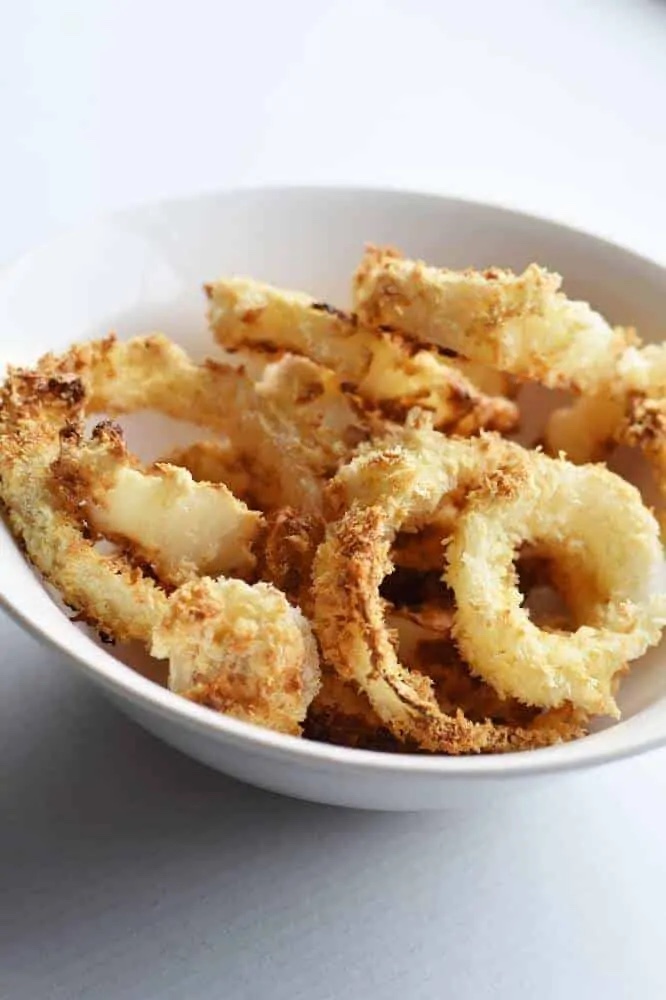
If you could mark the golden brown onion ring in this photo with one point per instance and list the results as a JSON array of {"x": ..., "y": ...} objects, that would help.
[
  {"x": 179, "y": 527},
  {"x": 380, "y": 366},
  {"x": 595, "y": 525},
  {"x": 351, "y": 627},
  {"x": 520, "y": 324},
  {"x": 407, "y": 483},
  {"x": 107, "y": 590},
  {"x": 295, "y": 422},
  {"x": 240, "y": 649}
]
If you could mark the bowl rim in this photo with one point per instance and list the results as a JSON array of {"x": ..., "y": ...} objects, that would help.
[{"x": 116, "y": 676}]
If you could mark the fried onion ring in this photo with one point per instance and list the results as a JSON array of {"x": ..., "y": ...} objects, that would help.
[
  {"x": 39, "y": 412},
  {"x": 405, "y": 486},
  {"x": 520, "y": 324},
  {"x": 108, "y": 591},
  {"x": 595, "y": 525},
  {"x": 240, "y": 649},
  {"x": 379, "y": 365},
  {"x": 179, "y": 527},
  {"x": 295, "y": 422},
  {"x": 632, "y": 412},
  {"x": 350, "y": 624}
]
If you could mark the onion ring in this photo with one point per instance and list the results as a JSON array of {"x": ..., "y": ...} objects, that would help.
[
  {"x": 521, "y": 324},
  {"x": 295, "y": 422},
  {"x": 632, "y": 413},
  {"x": 240, "y": 649},
  {"x": 598, "y": 528},
  {"x": 179, "y": 527},
  {"x": 42, "y": 410},
  {"x": 350, "y": 625},
  {"x": 405, "y": 486},
  {"x": 109, "y": 592},
  {"x": 380, "y": 366}
]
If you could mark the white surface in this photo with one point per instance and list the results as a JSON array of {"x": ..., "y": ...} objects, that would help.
[{"x": 126, "y": 870}]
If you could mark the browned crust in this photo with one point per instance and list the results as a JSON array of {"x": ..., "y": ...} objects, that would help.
[
  {"x": 349, "y": 619},
  {"x": 371, "y": 362},
  {"x": 285, "y": 553},
  {"x": 106, "y": 591}
]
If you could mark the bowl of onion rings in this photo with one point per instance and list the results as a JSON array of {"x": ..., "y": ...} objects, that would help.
[{"x": 354, "y": 495}]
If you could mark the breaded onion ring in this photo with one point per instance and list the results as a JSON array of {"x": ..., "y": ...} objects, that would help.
[
  {"x": 379, "y": 365},
  {"x": 405, "y": 486},
  {"x": 251, "y": 646},
  {"x": 595, "y": 524},
  {"x": 632, "y": 412},
  {"x": 350, "y": 624},
  {"x": 295, "y": 422},
  {"x": 520, "y": 324},
  {"x": 181, "y": 528},
  {"x": 240, "y": 649},
  {"x": 107, "y": 590}
]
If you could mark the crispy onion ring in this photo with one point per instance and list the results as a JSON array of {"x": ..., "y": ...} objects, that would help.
[
  {"x": 382, "y": 367},
  {"x": 294, "y": 425},
  {"x": 632, "y": 412},
  {"x": 595, "y": 524},
  {"x": 41, "y": 417},
  {"x": 179, "y": 527},
  {"x": 240, "y": 649},
  {"x": 350, "y": 624},
  {"x": 112, "y": 595},
  {"x": 404, "y": 487},
  {"x": 520, "y": 324},
  {"x": 42, "y": 460}
]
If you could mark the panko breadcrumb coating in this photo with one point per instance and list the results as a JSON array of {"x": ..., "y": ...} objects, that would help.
[
  {"x": 179, "y": 527},
  {"x": 379, "y": 365},
  {"x": 240, "y": 649},
  {"x": 521, "y": 324},
  {"x": 326, "y": 514}
]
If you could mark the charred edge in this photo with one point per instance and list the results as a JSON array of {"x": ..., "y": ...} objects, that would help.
[
  {"x": 324, "y": 307},
  {"x": 70, "y": 433},
  {"x": 413, "y": 344},
  {"x": 109, "y": 432},
  {"x": 70, "y": 391}
]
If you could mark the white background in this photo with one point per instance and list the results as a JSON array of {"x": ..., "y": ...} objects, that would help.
[{"x": 127, "y": 871}]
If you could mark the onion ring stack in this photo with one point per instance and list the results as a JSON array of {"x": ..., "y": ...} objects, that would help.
[{"x": 340, "y": 555}]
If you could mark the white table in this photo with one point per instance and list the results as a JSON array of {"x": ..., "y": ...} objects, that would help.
[{"x": 128, "y": 871}]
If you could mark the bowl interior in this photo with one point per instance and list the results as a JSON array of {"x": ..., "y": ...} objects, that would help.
[{"x": 143, "y": 270}]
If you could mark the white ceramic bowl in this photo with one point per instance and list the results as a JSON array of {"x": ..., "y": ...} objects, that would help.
[{"x": 143, "y": 270}]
